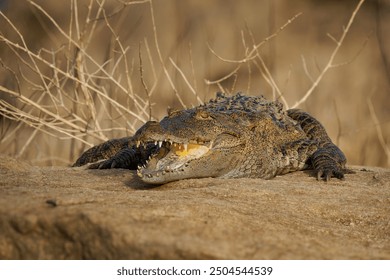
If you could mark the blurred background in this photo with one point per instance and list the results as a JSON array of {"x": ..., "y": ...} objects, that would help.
[{"x": 75, "y": 73}]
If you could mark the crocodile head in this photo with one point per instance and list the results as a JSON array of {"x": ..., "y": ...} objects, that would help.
[
  {"x": 192, "y": 143},
  {"x": 205, "y": 141}
]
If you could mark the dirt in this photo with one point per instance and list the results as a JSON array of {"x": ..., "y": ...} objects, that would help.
[{"x": 74, "y": 213}]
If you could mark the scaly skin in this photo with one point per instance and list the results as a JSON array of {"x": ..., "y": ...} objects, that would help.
[{"x": 228, "y": 137}]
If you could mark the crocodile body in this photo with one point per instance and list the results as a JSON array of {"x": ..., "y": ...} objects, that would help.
[{"x": 228, "y": 137}]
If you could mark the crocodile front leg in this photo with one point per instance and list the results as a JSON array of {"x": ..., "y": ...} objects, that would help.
[
  {"x": 102, "y": 151},
  {"x": 128, "y": 158},
  {"x": 294, "y": 156},
  {"x": 329, "y": 161},
  {"x": 116, "y": 153},
  {"x": 324, "y": 156}
]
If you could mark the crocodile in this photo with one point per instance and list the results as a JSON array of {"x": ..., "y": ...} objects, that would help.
[{"x": 235, "y": 136}]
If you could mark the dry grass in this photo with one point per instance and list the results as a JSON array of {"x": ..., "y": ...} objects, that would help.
[{"x": 79, "y": 72}]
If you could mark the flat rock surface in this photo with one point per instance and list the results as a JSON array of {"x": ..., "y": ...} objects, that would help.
[{"x": 74, "y": 213}]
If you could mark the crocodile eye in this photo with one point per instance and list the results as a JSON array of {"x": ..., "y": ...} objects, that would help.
[
  {"x": 172, "y": 112},
  {"x": 203, "y": 115}
]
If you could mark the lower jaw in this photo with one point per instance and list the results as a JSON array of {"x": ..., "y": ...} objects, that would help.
[{"x": 162, "y": 177}]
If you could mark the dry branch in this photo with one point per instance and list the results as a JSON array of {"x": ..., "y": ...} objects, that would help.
[
  {"x": 68, "y": 100},
  {"x": 379, "y": 132},
  {"x": 332, "y": 57}
]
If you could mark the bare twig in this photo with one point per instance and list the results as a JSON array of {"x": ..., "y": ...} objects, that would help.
[
  {"x": 161, "y": 58},
  {"x": 330, "y": 63},
  {"x": 192, "y": 68},
  {"x": 50, "y": 105},
  {"x": 339, "y": 130},
  {"x": 141, "y": 70},
  {"x": 379, "y": 132},
  {"x": 251, "y": 56},
  {"x": 306, "y": 70},
  {"x": 186, "y": 80},
  {"x": 88, "y": 56},
  {"x": 208, "y": 82},
  {"x": 264, "y": 70}
]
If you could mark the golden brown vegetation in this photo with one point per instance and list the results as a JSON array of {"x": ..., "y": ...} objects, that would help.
[{"x": 75, "y": 73}]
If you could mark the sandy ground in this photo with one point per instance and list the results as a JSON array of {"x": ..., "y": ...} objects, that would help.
[{"x": 73, "y": 213}]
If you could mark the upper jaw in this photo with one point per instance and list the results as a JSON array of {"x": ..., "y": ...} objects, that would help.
[{"x": 174, "y": 141}]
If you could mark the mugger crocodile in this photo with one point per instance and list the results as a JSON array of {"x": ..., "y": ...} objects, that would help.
[{"x": 228, "y": 137}]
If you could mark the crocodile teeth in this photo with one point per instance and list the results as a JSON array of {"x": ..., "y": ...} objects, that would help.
[
  {"x": 160, "y": 143},
  {"x": 138, "y": 143},
  {"x": 185, "y": 147}
]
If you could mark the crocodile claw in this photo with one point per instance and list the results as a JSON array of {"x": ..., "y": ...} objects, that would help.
[{"x": 327, "y": 173}]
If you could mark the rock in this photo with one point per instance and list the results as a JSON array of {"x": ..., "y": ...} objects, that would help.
[{"x": 74, "y": 213}]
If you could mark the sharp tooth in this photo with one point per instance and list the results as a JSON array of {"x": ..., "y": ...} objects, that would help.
[
  {"x": 211, "y": 144},
  {"x": 160, "y": 143},
  {"x": 155, "y": 142},
  {"x": 185, "y": 147},
  {"x": 138, "y": 143}
]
